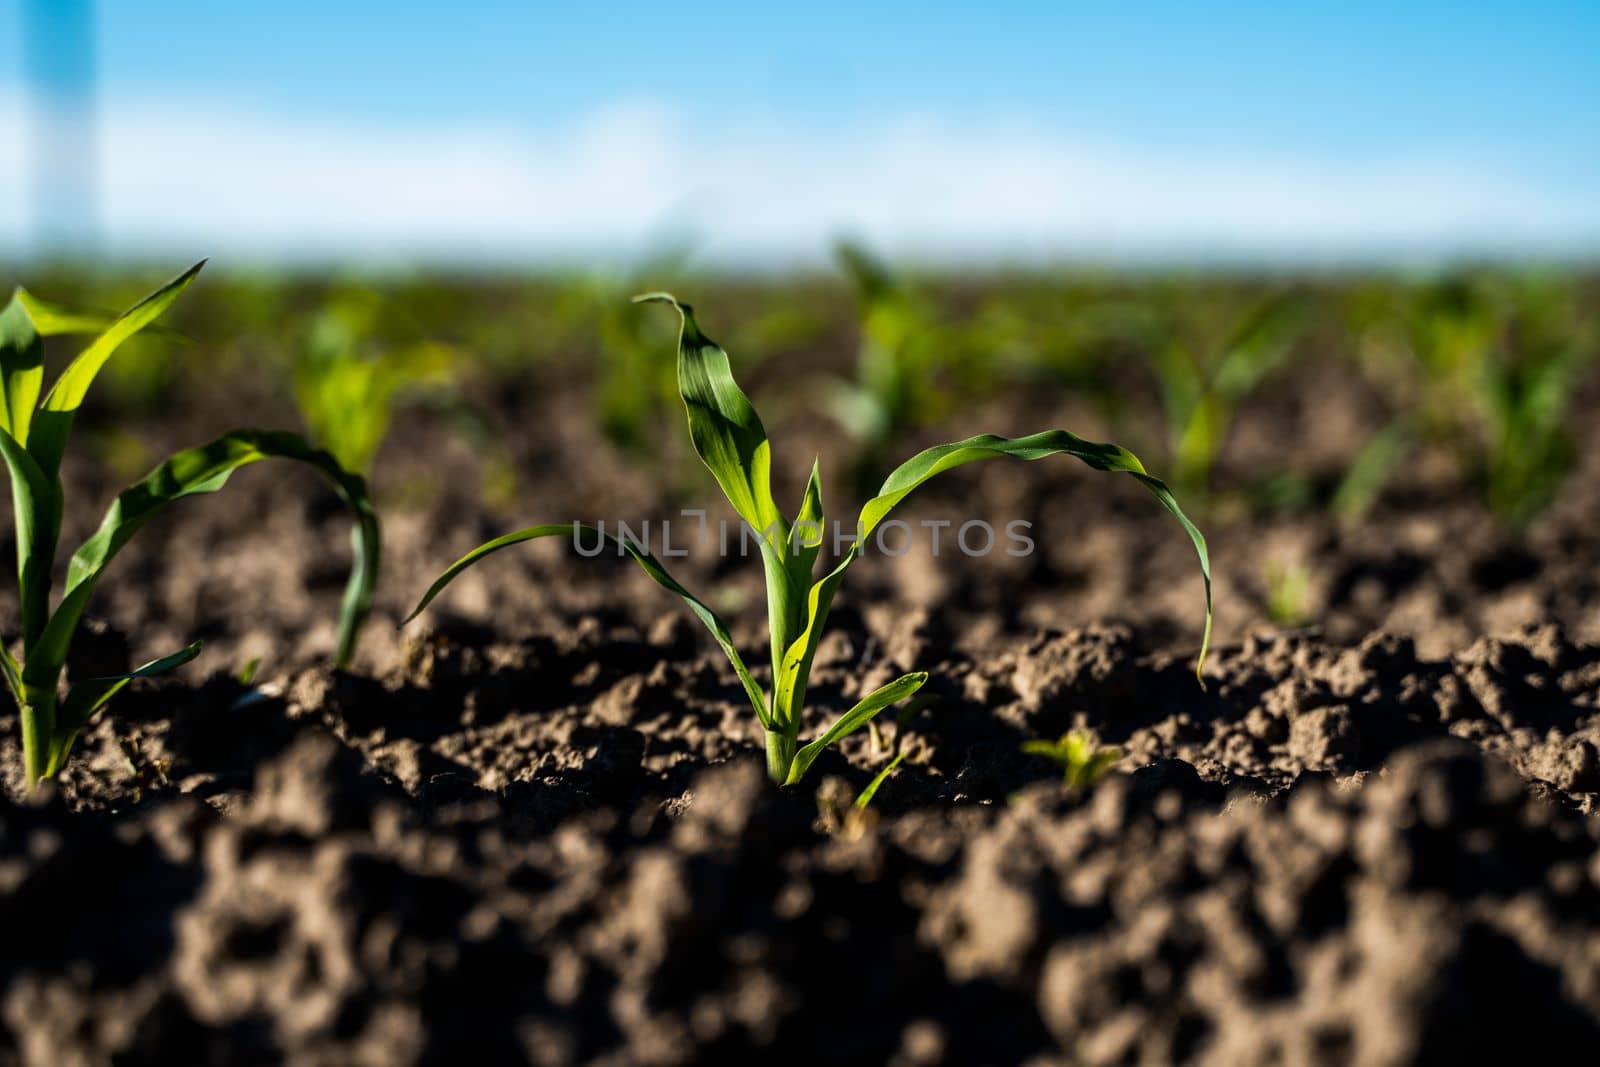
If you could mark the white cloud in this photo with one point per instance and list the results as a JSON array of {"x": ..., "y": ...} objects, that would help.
[{"x": 176, "y": 178}]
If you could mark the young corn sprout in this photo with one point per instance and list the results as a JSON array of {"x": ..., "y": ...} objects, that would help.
[
  {"x": 896, "y": 383},
  {"x": 347, "y": 381},
  {"x": 33, "y": 436},
  {"x": 730, "y": 439},
  {"x": 1212, "y": 359},
  {"x": 1082, "y": 762},
  {"x": 1486, "y": 368}
]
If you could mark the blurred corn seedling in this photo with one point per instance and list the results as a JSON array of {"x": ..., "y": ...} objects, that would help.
[
  {"x": 1082, "y": 761},
  {"x": 1484, "y": 368},
  {"x": 1208, "y": 357},
  {"x": 348, "y": 378}
]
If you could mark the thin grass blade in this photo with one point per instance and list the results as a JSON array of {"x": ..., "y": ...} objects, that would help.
[{"x": 865, "y": 798}]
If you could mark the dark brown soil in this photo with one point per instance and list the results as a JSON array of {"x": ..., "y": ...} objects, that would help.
[{"x": 534, "y": 826}]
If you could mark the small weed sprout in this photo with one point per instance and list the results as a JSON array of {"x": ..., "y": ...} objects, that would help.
[
  {"x": 897, "y": 752},
  {"x": 33, "y": 437},
  {"x": 866, "y": 795},
  {"x": 732, "y": 442},
  {"x": 1082, "y": 762}
]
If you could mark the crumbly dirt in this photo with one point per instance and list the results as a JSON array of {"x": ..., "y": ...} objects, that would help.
[{"x": 534, "y": 827}]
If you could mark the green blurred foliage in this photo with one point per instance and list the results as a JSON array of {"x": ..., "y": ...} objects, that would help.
[
  {"x": 1479, "y": 369},
  {"x": 1210, "y": 358},
  {"x": 1484, "y": 367},
  {"x": 347, "y": 378}
]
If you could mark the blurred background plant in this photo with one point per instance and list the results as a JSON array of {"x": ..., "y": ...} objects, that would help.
[
  {"x": 1078, "y": 753},
  {"x": 348, "y": 379},
  {"x": 363, "y": 358},
  {"x": 1209, "y": 356},
  {"x": 901, "y": 377},
  {"x": 1483, "y": 368},
  {"x": 1476, "y": 372}
]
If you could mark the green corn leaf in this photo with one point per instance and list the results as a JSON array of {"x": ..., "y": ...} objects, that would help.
[
  {"x": 882, "y": 776},
  {"x": 1363, "y": 483},
  {"x": 36, "y": 508},
  {"x": 806, "y": 532},
  {"x": 21, "y": 368},
  {"x": 1082, "y": 763},
  {"x": 727, "y": 432},
  {"x": 794, "y": 671},
  {"x": 641, "y": 556},
  {"x": 1094, "y": 768},
  {"x": 854, "y": 719},
  {"x": 732, "y": 442},
  {"x": 92, "y": 694},
  {"x": 204, "y": 469},
  {"x": 52, "y": 320},
  {"x": 54, "y": 420},
  {"x": 13, "y": 673},
  {"x": 788, "y": 569}
]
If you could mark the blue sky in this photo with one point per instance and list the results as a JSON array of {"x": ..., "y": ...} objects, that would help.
[{"x": 1124, "y": 130}]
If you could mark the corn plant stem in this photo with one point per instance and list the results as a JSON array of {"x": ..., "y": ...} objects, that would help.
[
  {"x": 780, "y": 755},
  {"x": 38, "y": 727}
]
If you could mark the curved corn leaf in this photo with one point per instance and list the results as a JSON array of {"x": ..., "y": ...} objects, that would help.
[
  {"x": 727, "y": 432},
  {"x": 641, "y": 556},
  {"x": 204, "y": 469},
  {"x": 21, "y": 368},
  {"x": 52, "y": 320},
  {"x": 36, "y": 508},
  {"x": 92, "y": 694},
  {"x": 854, "y": 719},
  {"x": 793, "y": 673},
  {"x": 732, "y": 442},
  {"x": 54, "y": 419}
]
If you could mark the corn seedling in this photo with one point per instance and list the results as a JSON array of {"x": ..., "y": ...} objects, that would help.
[
  {"x": 1288, "y": 593},
  {"x": 1203, "y": 379},
  {"x": 346, "y": 382},
  {"x": 729, "y": 437},
  {"x": 33, "y": 437},
  {"x": 897, "y": 368},
  {"x": 1486, "y": 368},
  {"x": 1082, "y": 762}
]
